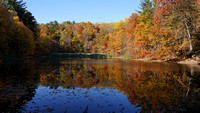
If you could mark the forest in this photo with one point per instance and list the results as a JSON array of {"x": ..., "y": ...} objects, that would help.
[{"x": 160, "y": 29}]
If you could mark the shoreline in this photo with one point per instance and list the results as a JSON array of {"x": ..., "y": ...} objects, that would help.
[
  {"x": 99, "y": 56},
  {"x": 178, "y": 61},
  {"x": 186, "y": 61}
]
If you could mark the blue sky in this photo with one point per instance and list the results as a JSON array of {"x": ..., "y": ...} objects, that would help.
[{"x": 81, "y": 10}]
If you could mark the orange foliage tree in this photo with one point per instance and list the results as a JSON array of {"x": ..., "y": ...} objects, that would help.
[{"x": 16, "y": 38}]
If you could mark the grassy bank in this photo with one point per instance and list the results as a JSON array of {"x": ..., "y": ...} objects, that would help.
[
  {"x": 77, "y": 56},
  {"x": 60, "y": 56}
]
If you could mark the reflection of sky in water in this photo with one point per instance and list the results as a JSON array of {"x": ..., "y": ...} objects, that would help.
[
  {"x": 155, "y": 87},
  {"x": 79, "y": 100}
]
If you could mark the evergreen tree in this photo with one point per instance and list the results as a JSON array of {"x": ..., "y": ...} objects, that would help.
[{"x": 24, "y": 15}]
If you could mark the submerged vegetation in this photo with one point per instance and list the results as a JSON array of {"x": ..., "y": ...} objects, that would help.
[{"x": 162, "y": 29}]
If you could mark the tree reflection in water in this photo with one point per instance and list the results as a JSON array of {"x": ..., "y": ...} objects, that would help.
[{"x": 153, "y": 87}]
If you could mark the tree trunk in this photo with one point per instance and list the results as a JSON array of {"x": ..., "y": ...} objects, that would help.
[{"x": 189, "y": 37}]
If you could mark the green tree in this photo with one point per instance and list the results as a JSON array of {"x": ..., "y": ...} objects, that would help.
[
  {"x": 66, "y": 37},
  {"x": 24, "y": 15},
  {"x": 16, "y": 39},
  {"x": 145, "y": 21}
]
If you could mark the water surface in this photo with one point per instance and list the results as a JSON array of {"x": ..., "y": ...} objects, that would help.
[{"x": 88, "y": 86}]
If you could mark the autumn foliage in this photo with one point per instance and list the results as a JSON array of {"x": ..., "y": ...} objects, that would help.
[
  {"x": 161, "y": 29},
  {"x": 15, "y": 37}
]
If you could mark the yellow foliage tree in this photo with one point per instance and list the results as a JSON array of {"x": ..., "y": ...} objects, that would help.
[{"x": 16, "y": 39}]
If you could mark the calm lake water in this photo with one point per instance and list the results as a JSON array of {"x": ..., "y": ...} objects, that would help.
[{"x": 96, "y": 86}]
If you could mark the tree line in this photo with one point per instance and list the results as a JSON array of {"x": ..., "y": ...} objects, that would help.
[{"x": 161, "y": 29}]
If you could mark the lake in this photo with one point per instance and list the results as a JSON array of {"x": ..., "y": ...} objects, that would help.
[{"x": 96, "y": 86}]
